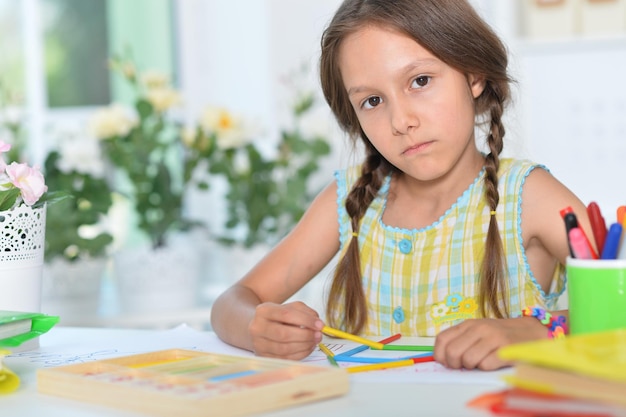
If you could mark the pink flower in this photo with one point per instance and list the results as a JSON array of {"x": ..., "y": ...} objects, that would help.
[
  {"x": 29, "y": 180},
  {"x": 4, "y": 147}
]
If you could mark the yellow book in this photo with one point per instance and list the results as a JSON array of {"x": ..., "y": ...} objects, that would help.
[
  {"x": 591, "y": 366},
  {"x": 600, "y": 355}
]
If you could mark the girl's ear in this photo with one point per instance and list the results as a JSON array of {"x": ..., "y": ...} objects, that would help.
[{"x": 477, "y": 84}]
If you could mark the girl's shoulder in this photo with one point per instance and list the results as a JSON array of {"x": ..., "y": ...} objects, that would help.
[
  {"x": 514, "y": 166},
  {"x": 345, "y": 178},
  {"x": 514, "y": 173},
  {"x": 349, "y": 174}
]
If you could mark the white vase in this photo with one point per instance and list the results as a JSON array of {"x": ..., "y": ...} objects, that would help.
[
  {"x": 71, "y": 290},
  {"x": 157, "y": 280},
  {"x": 22, "y": 245}
]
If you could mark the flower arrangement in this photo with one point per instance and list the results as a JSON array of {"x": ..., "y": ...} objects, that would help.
[
  {"x": 267, "y": 195},
  {"x": 161, "y": 159},
  {"x": 146, "y": 147}
]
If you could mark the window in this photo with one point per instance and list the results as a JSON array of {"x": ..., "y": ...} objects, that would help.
[
  {"x": 75, "y": 52},
  {"x": 55, "y": 55}
]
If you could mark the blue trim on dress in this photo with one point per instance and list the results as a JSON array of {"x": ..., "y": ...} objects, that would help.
[
  {"x": 547, "y": 297},
  {"x": 438, "y": 221},
  {"x": 342, "y": 189}
]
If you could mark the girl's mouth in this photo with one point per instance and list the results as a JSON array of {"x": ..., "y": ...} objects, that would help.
[{"x": 417, "y": 148}]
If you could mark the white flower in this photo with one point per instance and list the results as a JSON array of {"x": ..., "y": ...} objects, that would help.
[
  {"x": 12, "y": 115},
  {"x": 317, "y": 122},
  {"x": 155, "y": 79},
  {"x": 111, "y": 121},
  {"x": 241, "y": 163},
  {"x": 229, "y": 129},
  {"x": 81, "y": 154},
  {"x": 163, "y": 98}
]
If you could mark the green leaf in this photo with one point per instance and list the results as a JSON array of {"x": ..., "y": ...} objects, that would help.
[
  {"x": 52, "y": 197},
  {"x": 144, "y": 108},
  {"x": 8, "y": 198}
]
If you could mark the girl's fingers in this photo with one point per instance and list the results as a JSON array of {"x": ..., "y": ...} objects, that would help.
[
  {"x": 451, "y": 348},
  {"x": 293, "y": 351},
  {"x": 289, "y": 331},
  {"x": 294, "y": 314},
  {"x": 474, "y": 344},
  {"x": 286, "y": 341}
]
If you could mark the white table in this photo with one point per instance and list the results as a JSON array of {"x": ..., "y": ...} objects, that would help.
[{"x": 369, "y": 394}]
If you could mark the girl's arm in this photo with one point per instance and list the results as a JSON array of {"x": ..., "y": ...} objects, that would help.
[
  {"x": 251, "y": 314},
  {"x": 474, "y": 343}
]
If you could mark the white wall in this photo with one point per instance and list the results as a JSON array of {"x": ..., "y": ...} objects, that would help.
[{"x": 575, "y": 115}]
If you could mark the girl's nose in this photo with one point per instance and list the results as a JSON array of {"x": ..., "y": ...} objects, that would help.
[{"x": 403, "y": 117}]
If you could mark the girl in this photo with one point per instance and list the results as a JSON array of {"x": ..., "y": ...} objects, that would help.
[{"x": 435, "y": 237}]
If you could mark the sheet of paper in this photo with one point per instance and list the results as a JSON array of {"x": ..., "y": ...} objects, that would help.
[{"x": 64, "y": 346}]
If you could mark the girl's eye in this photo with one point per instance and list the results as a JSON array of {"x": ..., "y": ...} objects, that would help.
[
  {"x": 371, "y": 102},
  {"x": 421, "y": 81}
]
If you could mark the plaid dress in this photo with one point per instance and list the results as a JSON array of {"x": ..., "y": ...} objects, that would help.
[{"x": 420, "y": 281}]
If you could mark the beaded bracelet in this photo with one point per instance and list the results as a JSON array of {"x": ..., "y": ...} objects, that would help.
[{"x": 556, "y": 325}]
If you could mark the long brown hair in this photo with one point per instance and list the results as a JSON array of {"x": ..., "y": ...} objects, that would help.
[{"x": 453, "y": 32}]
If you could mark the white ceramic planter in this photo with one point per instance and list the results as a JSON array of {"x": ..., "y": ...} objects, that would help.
[{"x": 22, "y": 244}]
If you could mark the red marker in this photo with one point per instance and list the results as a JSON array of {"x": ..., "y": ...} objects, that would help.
[{"x": 598, "y": 225}]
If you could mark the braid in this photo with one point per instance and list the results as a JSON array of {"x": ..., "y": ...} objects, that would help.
[
  {"x": 347, "y": 282},
  {"x": 492, "y": 271}
]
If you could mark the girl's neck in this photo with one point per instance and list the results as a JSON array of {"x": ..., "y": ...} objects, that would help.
[{"x": 427, "y": 201}]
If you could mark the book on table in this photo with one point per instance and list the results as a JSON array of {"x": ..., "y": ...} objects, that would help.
[
  {"x": 17, "y": 327},
  {"x": 14, "y": 323},
  {"x": 590, "y": 366}
]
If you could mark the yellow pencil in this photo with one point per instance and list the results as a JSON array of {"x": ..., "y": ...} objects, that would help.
[
  {"x": 382, "y": 365},
  {"x": 329, "y": 355},
  {"x": 326, "y": 351},
  {"x": 338, "y": 333}
]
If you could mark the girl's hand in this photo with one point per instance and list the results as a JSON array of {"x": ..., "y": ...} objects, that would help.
[
  {"x": 475, "y": 342},
  {"x": 287, "y": 331}
]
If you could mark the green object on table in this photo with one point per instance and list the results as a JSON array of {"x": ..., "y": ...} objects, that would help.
[
  {"x": 408, "y": 348},
  {"x": 596, "y": 294},
  {"x": 40, "y": 324}
]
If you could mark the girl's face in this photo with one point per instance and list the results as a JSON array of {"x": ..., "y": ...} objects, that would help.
[{"x": 416, "y": 110}]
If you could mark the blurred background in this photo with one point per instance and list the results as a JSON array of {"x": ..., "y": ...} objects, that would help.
[{"x": 193, "y": 134}]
